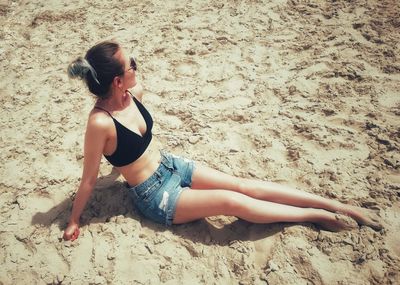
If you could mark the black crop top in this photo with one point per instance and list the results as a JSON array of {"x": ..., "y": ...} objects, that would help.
[{"x": 130, "y": 145}]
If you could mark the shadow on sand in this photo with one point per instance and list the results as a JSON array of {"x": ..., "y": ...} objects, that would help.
[{"x": 110, "y": 199}]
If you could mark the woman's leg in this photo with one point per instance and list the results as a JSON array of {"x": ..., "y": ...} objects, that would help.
[
  {"x": 193, "y": 205},
  {"x": 207, "y": 178}
]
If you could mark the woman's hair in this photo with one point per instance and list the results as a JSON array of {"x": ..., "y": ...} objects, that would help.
[{"x": 98, "y": 68}]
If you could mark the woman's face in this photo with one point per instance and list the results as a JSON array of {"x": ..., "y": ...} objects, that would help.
[{"x": 129, "y": 76}]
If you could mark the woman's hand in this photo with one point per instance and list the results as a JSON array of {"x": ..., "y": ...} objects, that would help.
[{"x": 71, "y": 232}]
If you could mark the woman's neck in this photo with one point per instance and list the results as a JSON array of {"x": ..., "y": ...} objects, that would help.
[{"x": 116, "y": 102}]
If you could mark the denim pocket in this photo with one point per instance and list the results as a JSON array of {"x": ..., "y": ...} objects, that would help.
[
  {"x": 167, "y": 161},
  {"x": 184, "y": 168}
]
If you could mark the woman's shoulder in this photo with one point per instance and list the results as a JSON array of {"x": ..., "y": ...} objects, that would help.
[{"x": 99, "y": 120}]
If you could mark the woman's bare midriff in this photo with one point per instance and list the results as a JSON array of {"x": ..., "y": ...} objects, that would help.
[{"x": 140, "y": 170}]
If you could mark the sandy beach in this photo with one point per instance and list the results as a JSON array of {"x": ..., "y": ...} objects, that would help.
[{"x": 303, "y": 93}]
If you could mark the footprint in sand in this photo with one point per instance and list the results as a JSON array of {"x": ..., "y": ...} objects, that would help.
[
  {"x": 104, "y": 252},
  {"x": 188, "y": 68}
]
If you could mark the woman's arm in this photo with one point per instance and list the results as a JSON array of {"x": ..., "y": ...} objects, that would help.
[{"x": 95, "y": 139}]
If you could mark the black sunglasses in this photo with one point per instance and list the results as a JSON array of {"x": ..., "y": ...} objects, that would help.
[{"x": 132, "y": 63}]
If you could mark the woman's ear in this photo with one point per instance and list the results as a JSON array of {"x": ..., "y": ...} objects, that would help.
[{"x": 117, "y": 82}]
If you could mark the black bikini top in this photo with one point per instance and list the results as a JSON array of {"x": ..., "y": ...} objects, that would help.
[{"x": 130, "y": 145}]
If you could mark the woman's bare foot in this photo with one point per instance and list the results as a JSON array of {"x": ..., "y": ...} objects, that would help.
[
  {"x": 363, "y": 216},
  {"x": 337, "y": 222}
]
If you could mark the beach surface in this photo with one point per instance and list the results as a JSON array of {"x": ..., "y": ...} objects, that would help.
[{"x": 303, "y": 93}]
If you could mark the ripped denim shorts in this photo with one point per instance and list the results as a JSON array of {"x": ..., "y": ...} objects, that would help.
[{"x": 156, "y": 197}]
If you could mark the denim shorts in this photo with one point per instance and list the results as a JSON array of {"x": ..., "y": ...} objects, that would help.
[{"x": 156, "y": 197}]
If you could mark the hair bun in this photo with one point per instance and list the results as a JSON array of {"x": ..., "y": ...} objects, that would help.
[{"x": 79, "y": 68}]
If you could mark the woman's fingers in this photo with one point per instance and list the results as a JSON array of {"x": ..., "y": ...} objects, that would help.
[
  {"x": 71, "y": 233},
  {"x": 67, "y": 236},
  {"x": 75, "y": 234}
]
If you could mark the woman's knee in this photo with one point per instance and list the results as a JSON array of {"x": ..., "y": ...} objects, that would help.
[
  {"x": 250, "y": 187},
  {"x": 243, "y": 185},
  {"x": 233, "y": 203}
]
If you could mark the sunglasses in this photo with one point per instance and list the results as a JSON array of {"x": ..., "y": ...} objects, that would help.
[{"x": 132, "y": 63}]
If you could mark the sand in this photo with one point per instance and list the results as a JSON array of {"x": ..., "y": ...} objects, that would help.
[{"x": 304, "y": 93}]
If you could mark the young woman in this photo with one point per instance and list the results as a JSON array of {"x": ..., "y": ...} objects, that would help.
[{"x": 166, "y": 188}]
